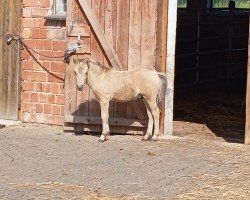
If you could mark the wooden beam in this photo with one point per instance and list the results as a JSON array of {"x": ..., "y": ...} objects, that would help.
[
  {"x": 112, "y": 121},
  {"x": 161, "y": 46},
  {"x": 247, "y": 129},
  {"x": 99, "y": 33},
  {"x": 170, "y": 66}
]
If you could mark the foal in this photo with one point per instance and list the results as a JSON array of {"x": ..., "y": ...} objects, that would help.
[{"x": 122, "y": 86}]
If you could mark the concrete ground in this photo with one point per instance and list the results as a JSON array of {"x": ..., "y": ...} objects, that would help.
[{"x": 41, "y": 162}]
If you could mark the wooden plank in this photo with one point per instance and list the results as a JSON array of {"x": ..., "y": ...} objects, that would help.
[
  {"x": 13, "y": 72},
  {"x": 161, "y": 36},
  {"x": 99, "y": 33},
  {"x": 110, "y": 24},
  {"x": 96, "y": 54},
  {"x": 247, "y": 128},
  {"x": 112, "y": 121},
  {"x": 75, "y": 30},
  {"x": 148, "y": 33},
  {"x": 70, "y": 89},
  {"x": 121, "y": 48},
  {"x": 2, "y": 26},
  {"x": 170, "y": 66},
  {"x": 10, "y": 18},
  {"x": 134, "y": 55},
  {"x": 161, "y": 46}
]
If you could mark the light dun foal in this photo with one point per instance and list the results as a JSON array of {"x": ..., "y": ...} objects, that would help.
[{"x": 122, "y": 86}]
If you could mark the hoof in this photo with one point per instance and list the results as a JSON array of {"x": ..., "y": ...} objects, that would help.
[
  {"x": 146, "y": 138},
  {"x": 154, "y": 139},
  {"x": 101, "y": 141}
]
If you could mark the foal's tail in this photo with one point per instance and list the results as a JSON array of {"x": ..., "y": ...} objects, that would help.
[{"x": 162, "y": 90}]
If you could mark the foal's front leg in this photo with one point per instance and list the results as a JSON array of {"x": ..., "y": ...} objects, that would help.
[{"x": 105, "y": 117}]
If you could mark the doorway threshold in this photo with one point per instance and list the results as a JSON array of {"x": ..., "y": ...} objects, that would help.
[{"x": 7, "y": 122}]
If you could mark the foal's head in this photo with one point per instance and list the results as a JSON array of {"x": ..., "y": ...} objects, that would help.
[{"x": 81, "y": 70}]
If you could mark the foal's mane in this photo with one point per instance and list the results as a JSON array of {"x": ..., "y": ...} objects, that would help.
[{"x": 106, "y": 68}]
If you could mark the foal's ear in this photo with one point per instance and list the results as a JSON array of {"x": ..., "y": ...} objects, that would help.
[{"x": 74, "y": 61}]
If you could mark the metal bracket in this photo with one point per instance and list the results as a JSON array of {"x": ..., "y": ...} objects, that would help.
[{"x": 10, "y": 37}]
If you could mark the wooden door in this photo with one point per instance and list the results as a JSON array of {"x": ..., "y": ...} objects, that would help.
[
  {"x": 119, "y": 33},
  {"x": 10, "y": 17}
]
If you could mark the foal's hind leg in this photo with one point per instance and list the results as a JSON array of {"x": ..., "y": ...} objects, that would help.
[
  {"x": 105, "y": 116},
  {"x": 149, "y": 132},
  {"x": 156, "y": 115}
]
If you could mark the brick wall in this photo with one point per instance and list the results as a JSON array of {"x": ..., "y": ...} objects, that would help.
[{"x": 42, "y": 95}]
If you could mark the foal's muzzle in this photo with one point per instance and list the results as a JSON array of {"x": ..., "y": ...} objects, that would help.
[{"x": 79, "y": 87}]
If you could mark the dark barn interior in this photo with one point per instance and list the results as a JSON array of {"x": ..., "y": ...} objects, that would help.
[{"x": 211, "y": 69}]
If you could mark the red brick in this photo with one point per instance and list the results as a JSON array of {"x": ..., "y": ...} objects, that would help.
[
  {"x": 44, "y": 44},
  {"x": 39, "y": 12},
  {"x": 30, "y": 3},
  {"x": 46, "y": 87},
  {"x": 56, "y": 78},
  {"x": 31, "y": 43},
  {"x": 45, "y": 3},
  {"x": 41, "y": 76},
  {"x": 38, "y": 76},
  {"x": 34, "y": 97},
  {"x": 47, "y": 109},
  {"x": 38, "y": 33},
  {"x": 28, "y": 86},
  {"x": 42, "y": 98},
  {"x": 26, "y": 107},
  {"x": 59, "y": 99},
  {"x": 56, "y": 120},
  {"x": 42, "y": 23},
  {"x": 35, "y": 33},
  {"x": 46, "y": 65},
  {"x": 51, "y": 98},
  {"x": 59, "y": 45},
  {"x": 43, "y": 33},
  {"x": 58, "y": 55},
  {"x": 57, "y": 34},
  {"x": 57, "y": 67},
  {"x": 36, "y": 22},
  {"x": 55, "y": 110},
  {"x": 39, "y": 108},
  {"x": 38, "y": 87},
  {"x": 25, "y": 96},
  {"x": 26, "y": 33},
  {"x": 26, "y": 12},
  {"x": 48, "y": 45},
  {"x": 39, "y": 44},
  {"x": 36, "y": 66},
  {"x": 28, "y": 22},
  {"x": 26, "y": 75},
  {"x": 59, "y": 120},
  {"x": 55, "y": 88},
  {"x": 25, "y": 55},
  {"x": 27, "y": 64}
]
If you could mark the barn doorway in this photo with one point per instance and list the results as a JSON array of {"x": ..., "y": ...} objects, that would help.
[
  {"x": 10, "y": 18},
  {"x": 211, "y": 69}
]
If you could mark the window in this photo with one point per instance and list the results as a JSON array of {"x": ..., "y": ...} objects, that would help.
[
  {"x": 59, "y": 6},
  {"x": 238, "y": 4},
  {"x": 57, "y": 11},
  {"x": 182, "y": 3}
]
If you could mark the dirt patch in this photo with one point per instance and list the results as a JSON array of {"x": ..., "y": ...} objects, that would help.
[{"x": 211, "y": 115}]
